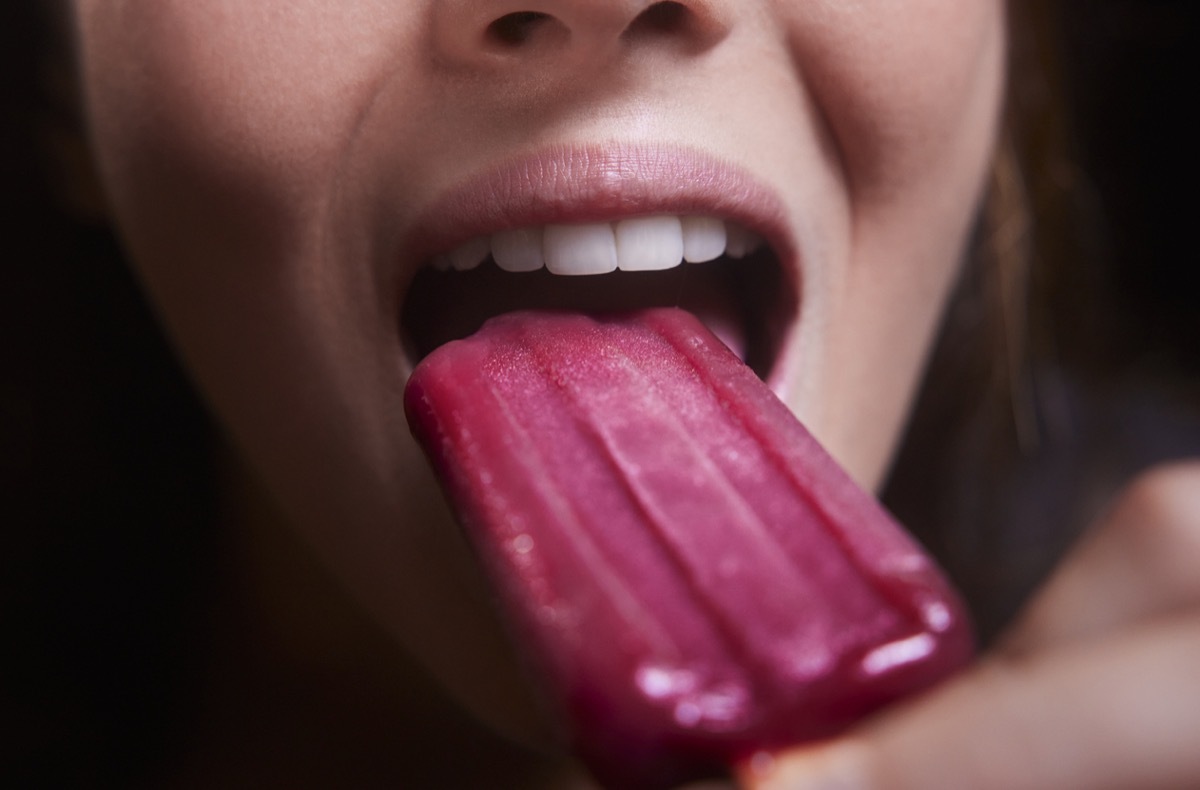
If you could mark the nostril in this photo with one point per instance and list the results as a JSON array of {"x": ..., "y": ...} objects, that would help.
[
  {"x": 660, "y": 18},
  {"x": 517, "y": 28},
  {"x": 583, "y": 29}
]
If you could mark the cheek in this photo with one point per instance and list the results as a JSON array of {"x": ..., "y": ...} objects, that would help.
[
  {"x": 910, "y": 94},
  {"x": 902, "y": 85},
  {"x": 221, "y": 128},
  {"x": 223, "y": 109}
]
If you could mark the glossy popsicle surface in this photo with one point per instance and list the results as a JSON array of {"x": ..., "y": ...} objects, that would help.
[{"x": 691, "y": 577}]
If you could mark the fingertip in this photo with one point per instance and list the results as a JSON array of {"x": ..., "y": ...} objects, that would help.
[{"x": 838, "y": 766}]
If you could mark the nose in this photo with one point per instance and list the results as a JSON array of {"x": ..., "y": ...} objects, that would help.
[{"x": 500, "y": 33}]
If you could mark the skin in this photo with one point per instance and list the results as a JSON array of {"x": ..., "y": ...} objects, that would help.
[{"x": 262, "y": 161}]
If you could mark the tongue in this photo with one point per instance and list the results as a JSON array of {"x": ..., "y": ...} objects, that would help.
[{"x": 691, "y": 577}]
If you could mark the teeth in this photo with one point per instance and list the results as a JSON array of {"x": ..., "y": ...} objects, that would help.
[
  {"x": 649, "y": 243},
  {"x": 635, "y": 244},
  {"x": 518, "y": 250},
  {"x": 580, "y": 249},
  {"x": 703, "y": 239},
  {"x": 741, "y": 242},
  {"x": 469, "y": 255}
]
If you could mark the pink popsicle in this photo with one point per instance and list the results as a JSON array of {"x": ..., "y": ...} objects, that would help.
[{"x": 690, "y": 576}]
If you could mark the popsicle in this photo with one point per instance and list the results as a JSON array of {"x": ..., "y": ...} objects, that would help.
[{"x": 691, "y": 577}]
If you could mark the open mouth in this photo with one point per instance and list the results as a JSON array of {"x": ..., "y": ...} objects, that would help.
[
  {"x": 727, "y": 276},
  {"x": 689, "y": 576}
]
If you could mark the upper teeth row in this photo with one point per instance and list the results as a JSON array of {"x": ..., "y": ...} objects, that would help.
[{"x": 636, "y": 244}]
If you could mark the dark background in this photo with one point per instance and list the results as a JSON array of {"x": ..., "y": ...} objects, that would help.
[
  {"x": 1132, "y": 76},
  {"x": 103, "y": 457}
]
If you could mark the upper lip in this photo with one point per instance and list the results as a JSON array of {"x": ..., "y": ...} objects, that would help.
[{"x": 596, "y": 183}]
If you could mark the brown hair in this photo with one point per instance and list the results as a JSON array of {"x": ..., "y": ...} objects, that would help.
[{"x": 1021, "y": 431}]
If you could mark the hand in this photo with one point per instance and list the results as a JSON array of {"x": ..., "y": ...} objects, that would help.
[{"x": 1096, "y": 686}]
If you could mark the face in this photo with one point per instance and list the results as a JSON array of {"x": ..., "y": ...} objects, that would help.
[{"x": 282, "y": 171}]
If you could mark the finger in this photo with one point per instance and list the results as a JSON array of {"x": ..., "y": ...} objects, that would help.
[
  {"x": 1142, "y": 561},
  {"x": 1119, "y": 712}
]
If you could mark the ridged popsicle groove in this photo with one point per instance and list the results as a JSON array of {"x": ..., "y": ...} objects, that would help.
[
  {"x": 757, "y": 545},
  {"x": 789, "y": 457},
  {"x": 583, "y": 420},
  {"x": 669, "y": 530},
  {"x": 571, "y": 530}
]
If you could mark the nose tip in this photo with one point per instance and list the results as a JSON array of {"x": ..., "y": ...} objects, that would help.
[{"x": 486, "y": 32}]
